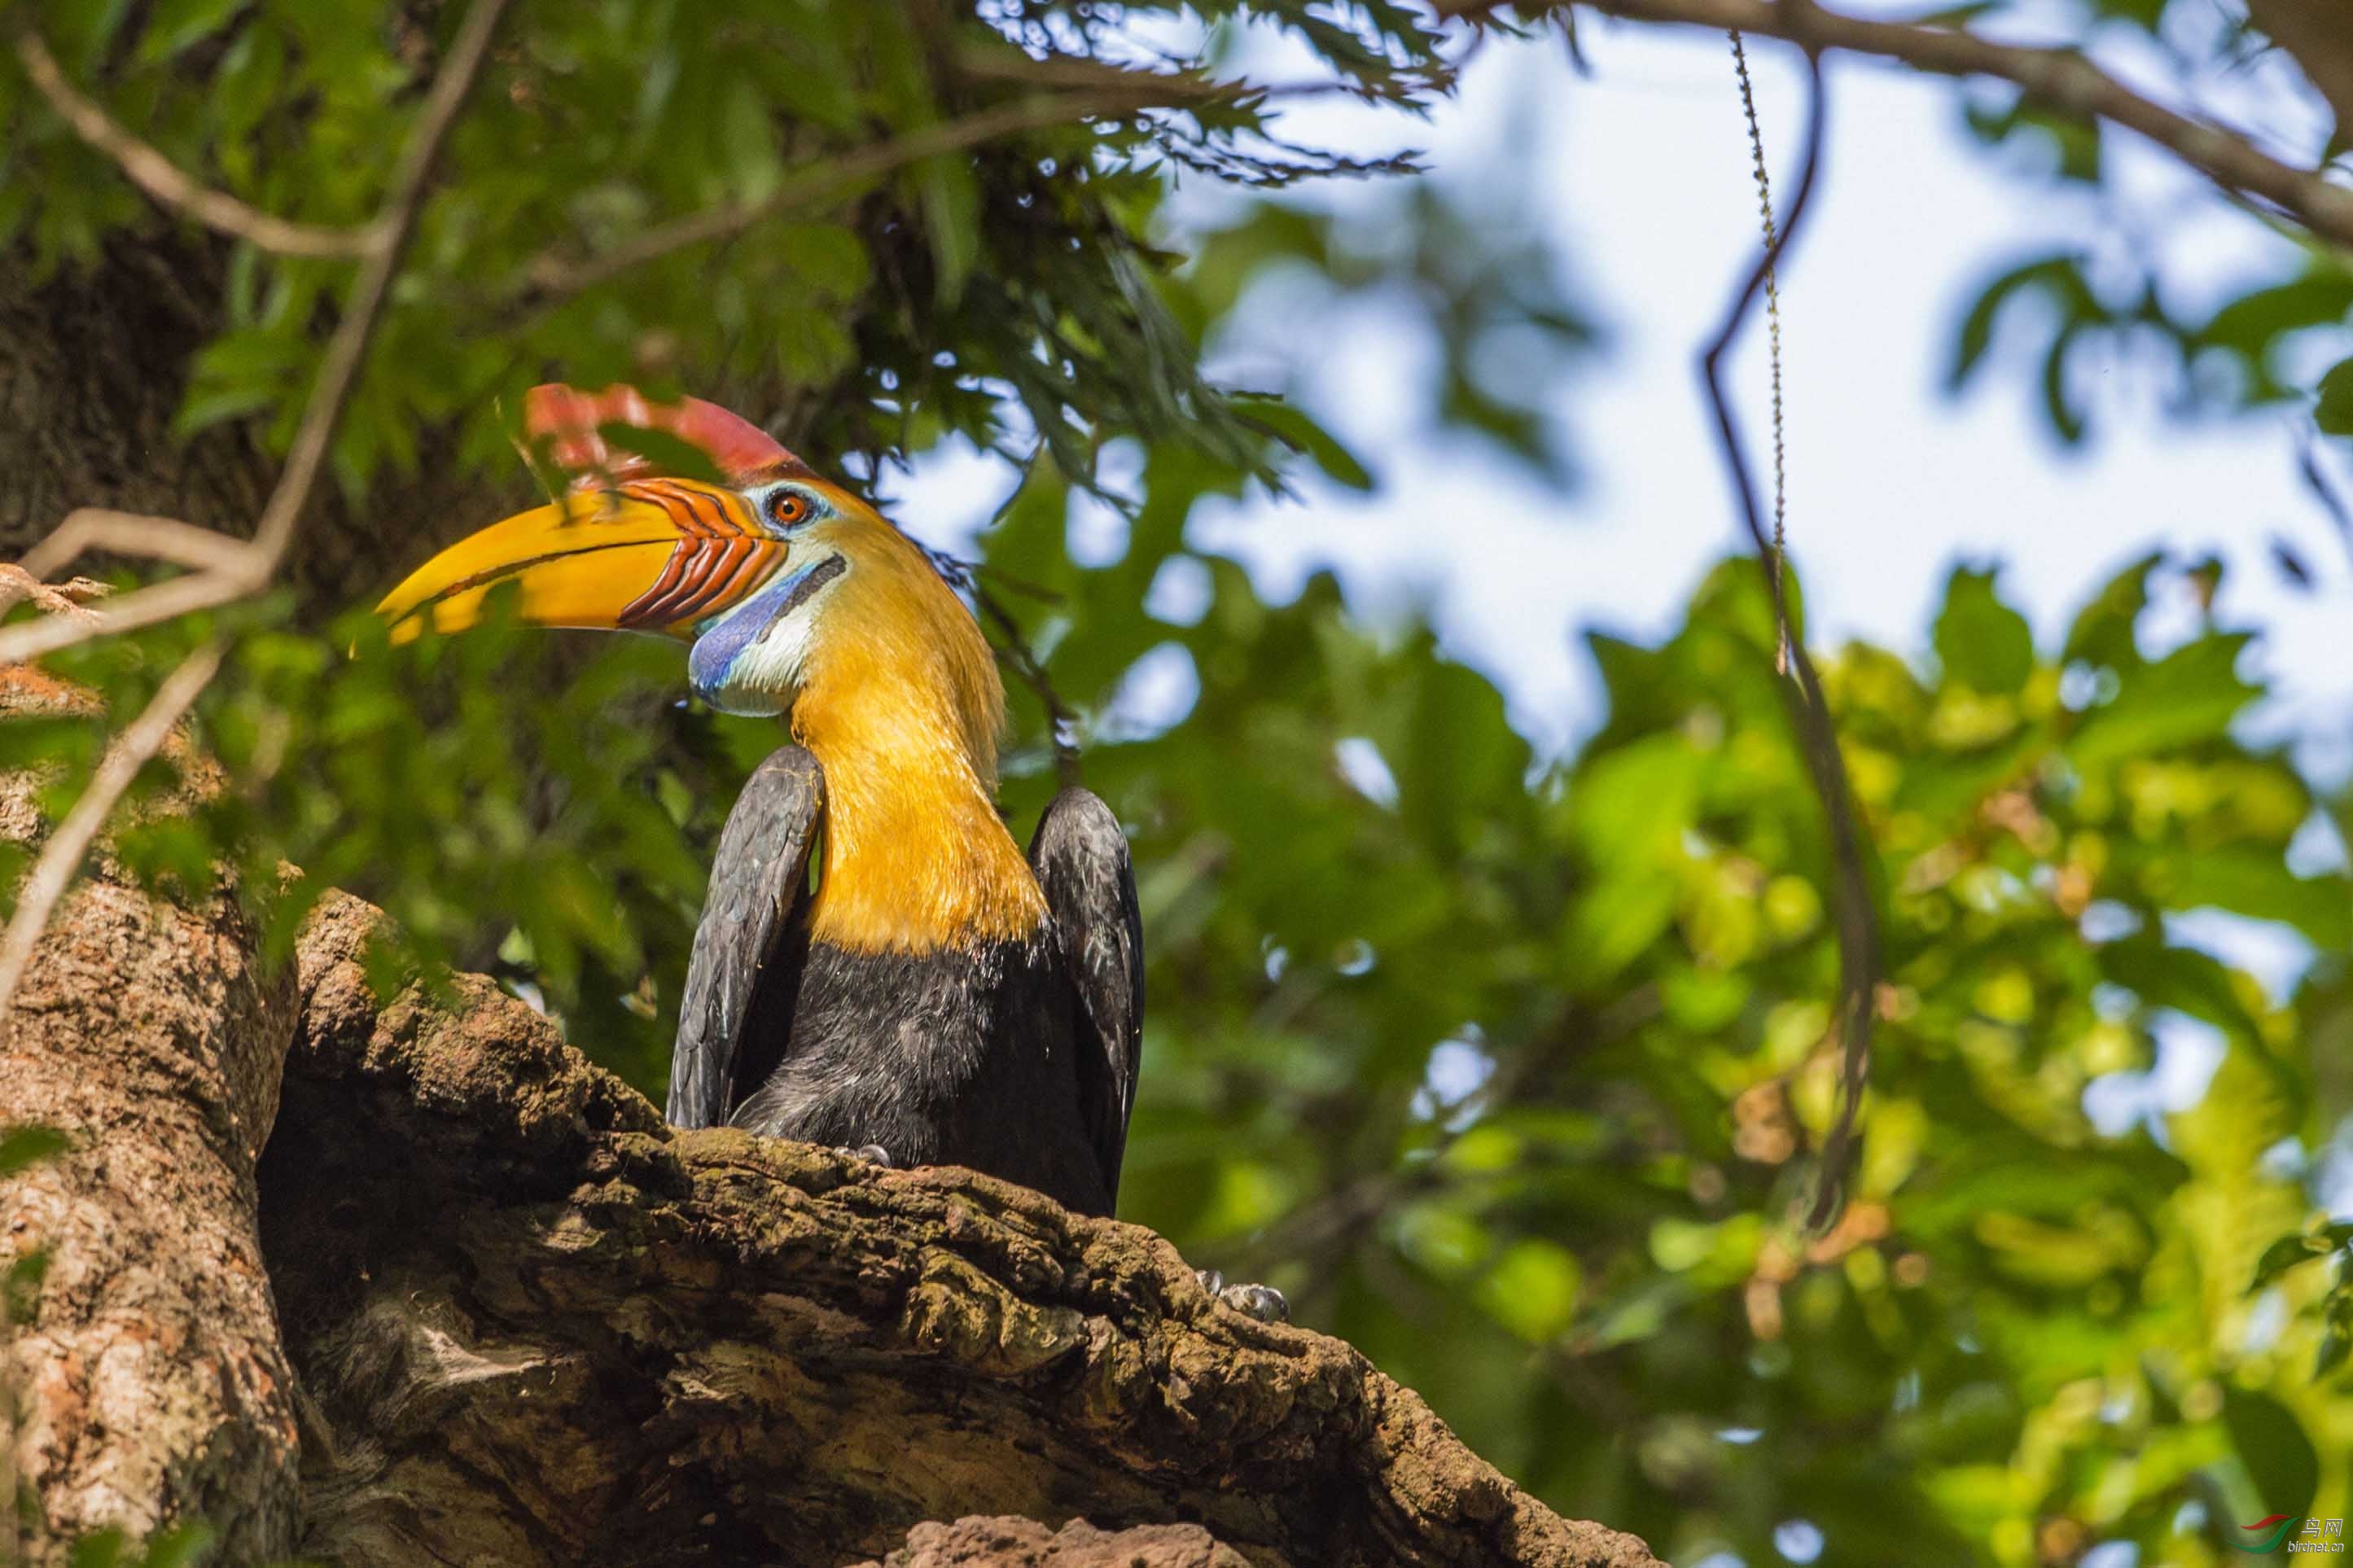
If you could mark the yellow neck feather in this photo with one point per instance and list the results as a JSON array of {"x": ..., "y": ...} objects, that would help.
[{"x": 900, "y": 703}]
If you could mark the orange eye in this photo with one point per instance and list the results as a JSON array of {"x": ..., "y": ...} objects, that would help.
[{"x": 789, "y": 508}]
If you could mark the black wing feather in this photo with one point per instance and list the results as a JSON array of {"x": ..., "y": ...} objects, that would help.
[
  {"x": 740, "y": 984},
  {"x": 1081, "y": 861}
]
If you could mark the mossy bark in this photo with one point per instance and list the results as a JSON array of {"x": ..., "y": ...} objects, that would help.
[{"x": 533, "y": 1325}]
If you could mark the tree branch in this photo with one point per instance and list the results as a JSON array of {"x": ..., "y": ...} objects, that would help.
[
  {"x": 70, "y": 599},
  {"x": 129, "y": 534},
  {"x": 2061, "y": 79},
  {"x": 61, "y": 857},
  {"x": 348, "y": 349},
  {"x": 1060, "y": 722},
  {"x": 170, "y": 185},
  {"x": 553, "y": 277}
]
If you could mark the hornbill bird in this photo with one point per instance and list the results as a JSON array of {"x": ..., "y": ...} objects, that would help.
[{"x": 935, "y": 997}]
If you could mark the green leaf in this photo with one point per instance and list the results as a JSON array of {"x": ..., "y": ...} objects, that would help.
[
  {"x": 2190, "y": 695},
  {"x": 250, "y": 79},
  {"x": 1982, "y": 642},
  {"x": 1296, "y": 428},
  {"x": 2182, "y": 979},
  {"x": 2334, "y": 410},
  {"x": 2271, "y": 1443},
  {"x": 748, "y": 133},
  {"x": 2058, "y": 274},
  {"x": 173, "y": 25},
  {"x": 2075, "y": 139},
  {"x": 670, "y": 454},
  {"x": 24, "y": 1146},
  {"x": 831, "y": 258},
  {"x": 951, "y": 198},
  {"x": 2058, "y": 402},
  {"x": 2103, "y": 629},
  {"x": 2288, "y": 1252},
  {"x": 183, "y": 1546},
  {"x": 1531, "y": 1290},
  {"x": 2255, "y": 880},
  {"x": 2250, "y": 324}
]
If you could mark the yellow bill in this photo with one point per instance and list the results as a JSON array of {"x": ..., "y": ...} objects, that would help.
[{"x": 655, "y": 555}]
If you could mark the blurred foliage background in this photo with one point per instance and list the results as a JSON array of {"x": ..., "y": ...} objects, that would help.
[{"x": 1507, "y": 1066}]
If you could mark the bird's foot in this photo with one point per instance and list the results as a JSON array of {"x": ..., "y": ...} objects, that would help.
[
  {"x": 871, "y": 1154},
  {"x": 1263, "y": 1302}
]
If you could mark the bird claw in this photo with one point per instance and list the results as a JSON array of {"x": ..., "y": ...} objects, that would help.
[
  {"x": 870, "y": 1154},
  {"x": 1263, "y": 1302}
]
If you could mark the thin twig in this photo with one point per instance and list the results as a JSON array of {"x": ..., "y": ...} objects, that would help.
[
  {"x": 2061, "y": 79},
  {"x": 2308, "y": 462},
  {"x": 1773, "y": 322},
  {"x": 1036, "y": 592},
  {"x": 130, "y": 534},
  {"x": 348, "y": 349},
  {"x": 553, "y": 277},
  {"x": 70, "y": 598},
  {"x": 170, "y": 185},
  {"x": 61, "y": 857},
  {"x": 1061, "y": 724},
  {"x": 1174, "y": 88},
  {"x": 141, "y": 607},
  {"x": 254, "y": 563},
  {"x": 1858, "y": 930}
]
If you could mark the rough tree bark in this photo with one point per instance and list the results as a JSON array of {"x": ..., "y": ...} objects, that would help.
[
  {"x": 529, "y": 1319},
  {"x": 150, "y": 1383},
  {"x": 475, "y": 1304}
]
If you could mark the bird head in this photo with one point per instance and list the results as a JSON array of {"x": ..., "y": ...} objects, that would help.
[{"x": 792, "y": 590}]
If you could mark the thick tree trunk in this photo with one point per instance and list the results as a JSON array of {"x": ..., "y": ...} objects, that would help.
[{"x": 149, "y": 1384}]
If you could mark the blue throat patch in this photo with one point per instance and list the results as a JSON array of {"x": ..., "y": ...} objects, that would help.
[{"x": 711, "y": 663}]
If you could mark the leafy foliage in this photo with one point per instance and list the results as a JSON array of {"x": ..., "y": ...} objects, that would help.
[
  {"x": 21, "y": 1148},
  {"x": 892, "y": 310},
  {"x": 186, "y": 1546},
  {"x": 1508, "y": 1071},
  {"x": 2082, "y": 314}
]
